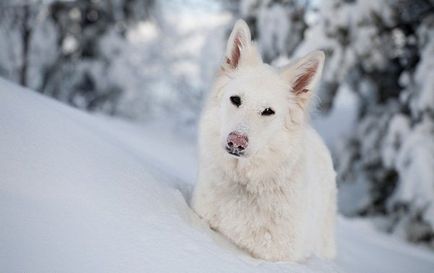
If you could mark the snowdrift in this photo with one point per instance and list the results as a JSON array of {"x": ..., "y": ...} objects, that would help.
[{"x": 80, "y": 193}]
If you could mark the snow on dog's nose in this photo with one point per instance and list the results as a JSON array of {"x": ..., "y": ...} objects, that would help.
[{"x": 236, "y": 143}]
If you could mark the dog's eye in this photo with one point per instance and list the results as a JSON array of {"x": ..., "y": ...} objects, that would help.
[
  {"x": 267, "y": 112},
  {"x": 236, "y": 100}
]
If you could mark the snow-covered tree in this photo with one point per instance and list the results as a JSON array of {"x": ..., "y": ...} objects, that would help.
[
  {"x": 133, "y": 58},
  {"x": 54, "y": 46},
  {"x": 384, "y": 51},
  {"x": 277, "y": 25}
]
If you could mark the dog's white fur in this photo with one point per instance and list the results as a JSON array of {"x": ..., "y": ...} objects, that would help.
[{"x": 278, "y": 201}]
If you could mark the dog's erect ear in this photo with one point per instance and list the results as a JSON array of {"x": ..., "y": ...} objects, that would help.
[
  {"x": 304, "y": 74},
  {"x": 239, "y": 45}
]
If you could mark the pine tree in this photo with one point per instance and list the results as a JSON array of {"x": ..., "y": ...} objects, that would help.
[
  {"x": 383, "y": 50},
  {"x": 276, "y": 25}
]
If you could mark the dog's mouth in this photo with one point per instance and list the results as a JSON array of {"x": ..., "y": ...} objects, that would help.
[{"x": 234, "y": 152}]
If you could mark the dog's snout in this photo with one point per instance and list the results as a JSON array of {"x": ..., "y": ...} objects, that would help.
[
  {"x": 237, "y": 140},
  {"x": 236, "y": 143}
]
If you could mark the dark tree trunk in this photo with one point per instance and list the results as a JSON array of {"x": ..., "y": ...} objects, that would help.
[{"x": 26, "y": 35}]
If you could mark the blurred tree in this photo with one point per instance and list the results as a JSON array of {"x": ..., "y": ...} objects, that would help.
[
  {"x": 277, "y": 25},
  {"x": 383, "y": 50},
  {"x": 26, "y": 33},
  {"x": 54, "y": 46}
]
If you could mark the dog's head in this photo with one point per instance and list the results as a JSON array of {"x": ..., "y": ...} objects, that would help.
[{"x": 258, "y": 101}]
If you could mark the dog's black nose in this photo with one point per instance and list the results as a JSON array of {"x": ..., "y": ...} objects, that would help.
[{"x": 236, "y": 143}]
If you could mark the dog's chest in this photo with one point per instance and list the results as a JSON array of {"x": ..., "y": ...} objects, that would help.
[{"x": 246, "y": 206}]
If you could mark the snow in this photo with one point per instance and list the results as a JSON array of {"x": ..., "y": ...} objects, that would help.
[
  {"x": 82, "y": 193},
  {"x": 337, "y": 124}
]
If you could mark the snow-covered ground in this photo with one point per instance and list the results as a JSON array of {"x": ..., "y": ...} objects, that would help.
[{"x": 81, "y": 193}]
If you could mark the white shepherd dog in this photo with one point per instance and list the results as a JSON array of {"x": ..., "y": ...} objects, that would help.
[{"x": 266, "y": 179}]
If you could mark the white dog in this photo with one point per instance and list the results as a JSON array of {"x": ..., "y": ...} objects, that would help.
[{"x": 266, "y": 179}]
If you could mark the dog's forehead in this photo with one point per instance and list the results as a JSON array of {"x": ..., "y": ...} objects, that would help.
[{"x": 260, "y": 84}]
